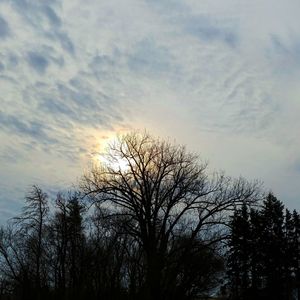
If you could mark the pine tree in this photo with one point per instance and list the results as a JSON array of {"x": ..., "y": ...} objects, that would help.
[
  {"x": 76, "y": 240},
  {"x": 239, "y": 257},
  {"x": 256, "y": 251},
  {"x": 289, "y": 251},
  {"x": 296, "y": 248},
  {"x": 273, "y": 245}
]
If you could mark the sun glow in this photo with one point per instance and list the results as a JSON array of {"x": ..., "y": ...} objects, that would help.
[
  {"x": 104, "y": 157},
  {"x": 114, "y": 163}
]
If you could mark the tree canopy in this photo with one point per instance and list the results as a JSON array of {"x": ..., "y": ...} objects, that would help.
[
  {"x": 151, "y": 221},
  {"x": 165, "y": 192}
]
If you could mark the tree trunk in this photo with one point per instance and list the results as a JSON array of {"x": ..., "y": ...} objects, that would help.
[{"x": 153, "y": 277}]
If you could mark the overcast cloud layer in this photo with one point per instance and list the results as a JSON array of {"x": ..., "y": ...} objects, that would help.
[{"x": 219, "y": 76}]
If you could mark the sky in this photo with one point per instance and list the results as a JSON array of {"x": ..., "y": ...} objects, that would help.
[{"x": 220, "y": 76}]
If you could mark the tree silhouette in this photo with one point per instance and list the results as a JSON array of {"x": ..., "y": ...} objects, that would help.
[
  {"x": 264, "y": 251},
  {"x": 160, "y": 227},
  {"x": 164, "y": 191},
  {"x": 239, "y": 260},
  {"x": 273, "y": 244},
  {"x": 32, "y": 227}
]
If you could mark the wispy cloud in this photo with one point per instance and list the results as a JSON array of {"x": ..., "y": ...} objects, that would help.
[
  {"x": 38, "y": 62},
  {"x": 150, "y": 59},
  {"x": 285, "y": 54},
  {"x": 211, "y": 30},
  {"x": 33, "y": 129},
  {"x": 203, "y": 72},
  {"x": 4, "y": 28}
]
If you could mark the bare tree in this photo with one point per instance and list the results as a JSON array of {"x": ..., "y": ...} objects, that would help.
[
  {"x": 164, "y": 191},
  {"x": 31, "y": 224},
  {"x": 13, "y": 266}
]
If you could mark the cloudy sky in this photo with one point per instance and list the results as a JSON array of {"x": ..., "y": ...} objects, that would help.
[{"x": 221, "y": 76}]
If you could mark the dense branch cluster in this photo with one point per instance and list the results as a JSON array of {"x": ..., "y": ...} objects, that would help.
[
  {"x": 166, "y": 194},
  {"x": 157, "y": 229}
]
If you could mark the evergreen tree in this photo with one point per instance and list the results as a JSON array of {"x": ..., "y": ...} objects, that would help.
[
  {"x": 68, "y": 244},
  {"x": 273, "y": 243},
  {"x": 256, "y": 251},
  {"x": 296, "y": 252},
  {"x": 76, "y": 239},
  {"x": 289, "y": 252},
  {"x": 239, "y": 258},
  {"x": 264, "y": 251}
]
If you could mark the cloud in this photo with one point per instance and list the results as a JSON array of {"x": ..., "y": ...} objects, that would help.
[
  {"x": 38, "y": 62},
  {"x": 213, "y": 76},
  {"x": 285, "y": 54},
  {"x": 77, "y": 103},
  {"x": 149, "y": 58},
  {"x": 33, "y": 129},
  {"x": 45, "y": 21},
  {"x": 51, "y": 15},
  {"x": 11, "y": 154},
  {"x": 207, "y": 29},
  {"x": 34, "y": 13},
  {"x": 204, "y": 26},
  {"x": 66, "y": 42},
  {"x": 4, "y": 28}
]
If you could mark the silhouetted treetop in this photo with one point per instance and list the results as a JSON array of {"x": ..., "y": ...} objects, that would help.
[{"x": 165, "y": 191}]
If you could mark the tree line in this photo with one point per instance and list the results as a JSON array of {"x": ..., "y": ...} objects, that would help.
[
  {"x": 152, "y": 222},
  {"x": 264, "y": 252}
]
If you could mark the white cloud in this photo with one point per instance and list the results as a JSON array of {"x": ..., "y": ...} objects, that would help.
[{"x": 220, "y": 77}]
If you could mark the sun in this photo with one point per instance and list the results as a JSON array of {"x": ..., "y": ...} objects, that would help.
[
  {"x": 114, "y": 163},
  {"x": 103, "y": 157}
]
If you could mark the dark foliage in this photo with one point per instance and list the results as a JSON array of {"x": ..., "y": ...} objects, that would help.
[
  {"x": 70, "y": 254},
  {"x": 155, "y": 229},
  {"x": 263, "y": 261}
]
